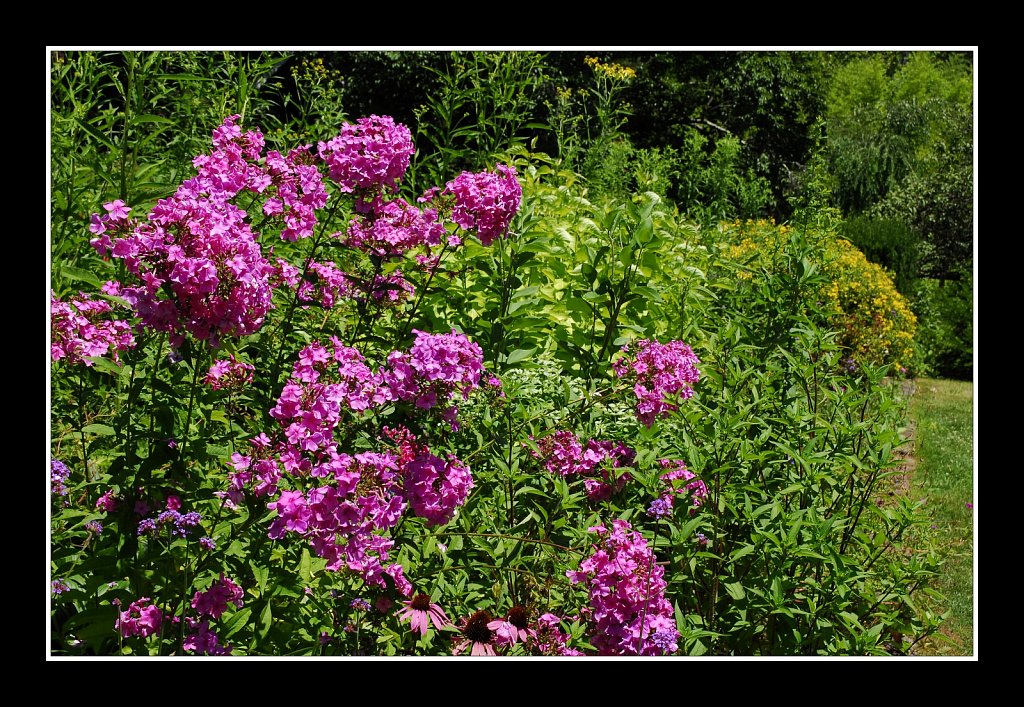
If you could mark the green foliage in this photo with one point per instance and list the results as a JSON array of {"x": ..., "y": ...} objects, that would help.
[
  {"x": 900, "y": 146},
  {"x": 800, "y": 557},
  {"x": 484, "y": 105},
  {"x": 945, "y": 314},
  {"x": 712, "y": 185},
  {"x": 858, "y": 299},
  {"x": 126, "y": 125},
  {"x": 891, "y": 244}
]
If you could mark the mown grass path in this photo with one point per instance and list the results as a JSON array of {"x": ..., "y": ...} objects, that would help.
[{"x": 944, "y": 477}]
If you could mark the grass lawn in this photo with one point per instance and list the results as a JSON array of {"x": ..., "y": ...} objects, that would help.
[{"x": 944, "y": 477}]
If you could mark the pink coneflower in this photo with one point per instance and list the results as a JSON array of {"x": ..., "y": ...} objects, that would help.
[
  {"x": 421, "y": 613},
  {"x": 513, "y": 627},
  {"x": 476, "y": 631}
]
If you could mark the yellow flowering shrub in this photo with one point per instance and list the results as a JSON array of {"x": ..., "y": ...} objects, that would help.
[{"x": 874, "y": 321}]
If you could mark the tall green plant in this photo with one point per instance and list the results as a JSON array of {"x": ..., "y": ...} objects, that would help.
[{"x": 485, "y": 104}]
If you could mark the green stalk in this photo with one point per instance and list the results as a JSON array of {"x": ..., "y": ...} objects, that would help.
[
  {"x": 191, "y": 403},
  {"x": 81, "y": 425},
  {"x": 419, "y": 298}
]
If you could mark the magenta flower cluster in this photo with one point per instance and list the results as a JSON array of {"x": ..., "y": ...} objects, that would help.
[
  {"x": 437, "y": 369},
  {"x": 627, "y": 595},
  {"x": 369, "y": 155},
  {"x": 214, "y": 601},
  {"x": 551, "y": 639},
  {"x": 391, "y": 228},
  {"x": 596, "y": 461},
  {"x": 696, "y": 488},
  {"x": 347, "y": 519},
  {"x": 295, "y": 191},
  {"x": 200, "y": 268},
  {"x": 658, "y": 371},
  {"x": 229, "y": 374},
  {"x": 203, "y": 640},
  {"x": 140, "y": 619},
  {"x": 434, "y": 488},
  {"x": 486, "y": 201},
  {"x": 80, "y": 328}
]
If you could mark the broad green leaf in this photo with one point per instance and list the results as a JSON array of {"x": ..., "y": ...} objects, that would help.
[
  {"x": 237, "y": 621},
  {"x": 266, "y": 621},
  {"x": 261, "y": 574},
  {"x": 73, "y": 273},
  {"x": 305, "y": 566},
  {"x": 519, "y": 355},
  {"x": 735, "y": 590}
]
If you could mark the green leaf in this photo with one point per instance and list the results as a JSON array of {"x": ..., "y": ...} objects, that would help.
[
  {"x": 150, "y": 119},
  {"x": 261, "y": 574},
  {"x": 305, "y": 566},
  {"x": 735, "y": 590},
  {"x": 737, "y": 554},
  {"x": 73, "y": 273},
  {"x": 266, "y": 620},
  {"x": 98, "y": 429},
  {"x": 105, "y": 365},
  {"x": 519, "y": 355},
  {"x": 236, "y": 622}
]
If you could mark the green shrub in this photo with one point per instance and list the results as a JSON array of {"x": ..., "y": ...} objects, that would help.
[
  {"x": 945, "y": 339},
  {"x": 875, "y": 323},
  {"x": 889, "y": 243}
]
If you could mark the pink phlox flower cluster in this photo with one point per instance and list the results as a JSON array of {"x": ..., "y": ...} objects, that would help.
[
  {"x": 342, "y": 521},
  {"x": 324, "y": 380},
  {"x": 140, "y": 619},
  {"x": 59, "y": 586},
  {"x": 232, "y": 165},
  {"x": 394, "y": 227},
  {"x": 435, "y": 488},
  {"x": 59, "y": 473},
  {"x": 551, "y": 639},
  {"x": 564, "y": 454},
  {"x": 486, "y": 202},
  {"x": 229, "y": 374},
  {"x": 107, "y": 502},
  {"x": 436, "y": 369},
  {"x": 214, "y": 601},
  {"x": 697, "y": 489},
  {"x": 297, "y": 190},
  {"x": 391, "y": 290},
  {"x": 323, "y": 285},
  {"x": 80, "y": 328},
  {"x": 656, "y": 371},
  {"x": 369, "y": 155},
  {"x": 116, "y": 222},
  {"x": 200, "y": 268},
  {"x": 627, "y": 595},
  {"x": 261, "y": 467},
  {"x": 204, "y": 641}
]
